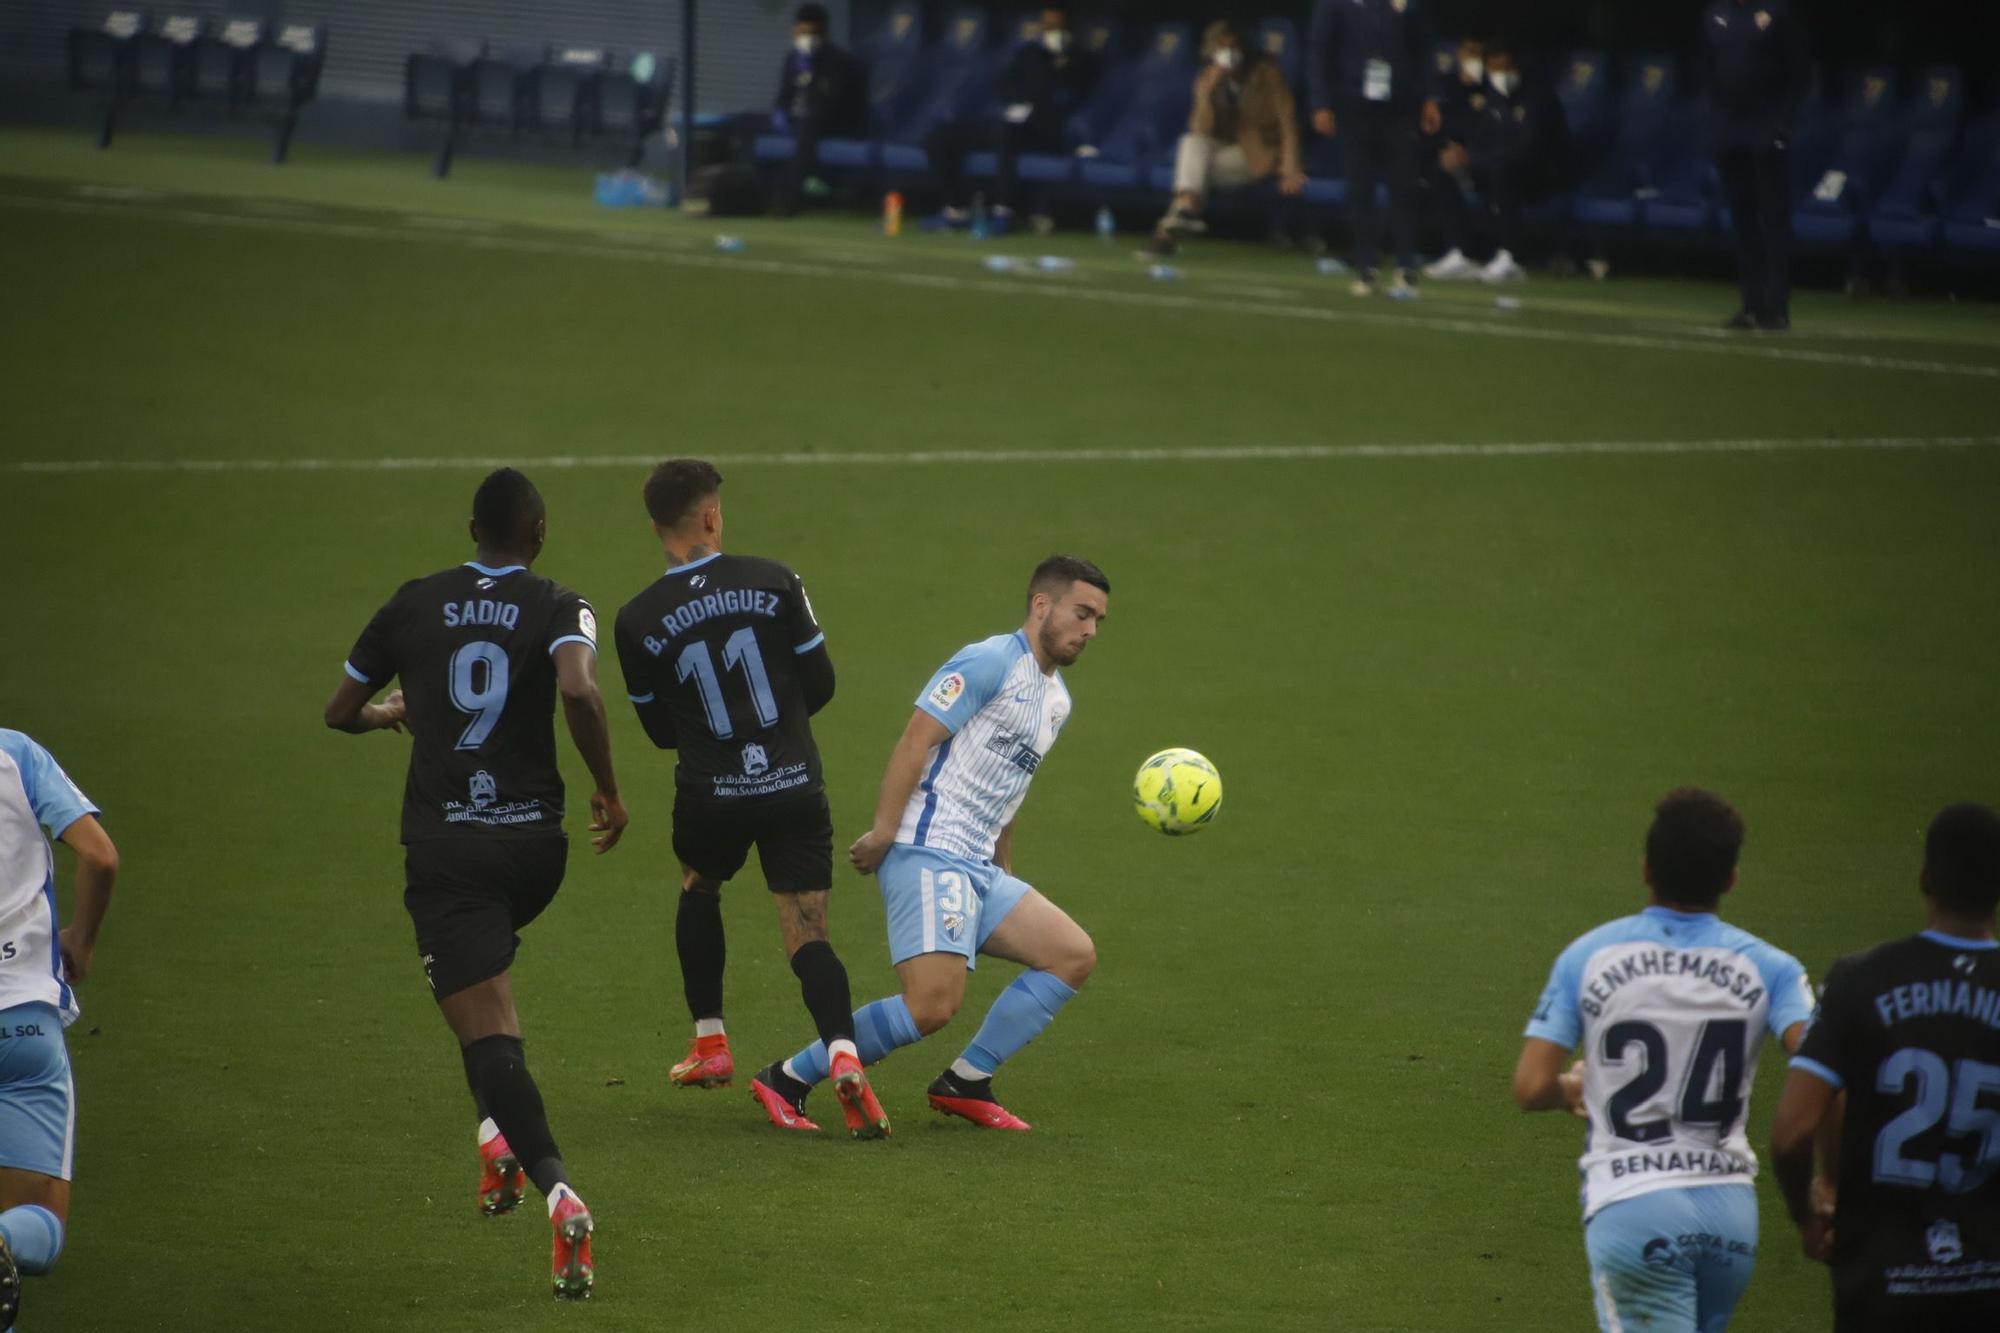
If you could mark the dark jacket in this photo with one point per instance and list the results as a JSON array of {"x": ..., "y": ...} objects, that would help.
[
  {"x": 1526, "y": 136},
  {"x": 1756, "y": 69},
  {"x": 827, "y": 88},
  {"x": 1459, "y": 103},
  {"x": 1346, "y": 34},
  {"x": 1055, "y": 86}
]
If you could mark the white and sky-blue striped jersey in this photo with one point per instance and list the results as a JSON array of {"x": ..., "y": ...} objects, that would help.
[
  {"x": 1671, "y": 1009},
  {"x": 35, "y": 794},
  {"x": 1004, "y": 713}
]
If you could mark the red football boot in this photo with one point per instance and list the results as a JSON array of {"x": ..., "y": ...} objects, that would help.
[
  {"x": 865, "y": 1118},
  {"x": 569, "y": 1261},
  {"x": 782, "y": 1097},
  {"x": 972, "y": 1101},
  {"x": 708, "y": 1064},
  {"x": 499, "y": 1177}
]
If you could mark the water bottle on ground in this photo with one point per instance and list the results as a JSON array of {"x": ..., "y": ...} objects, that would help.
[
  {"x": 1107, "y": 226},
  {"x": 982, "y": 221}
]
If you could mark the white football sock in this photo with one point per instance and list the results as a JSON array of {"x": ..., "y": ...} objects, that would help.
[
  {"x": 789, "y": 1072},
  {"x": 488, "y": 1131},
  {"x": 556, "y": 1197},
  {"x": 708, "y": 1027},
  {"x": 836, "y": 1047},
  {"x": 965, "y": 1071}
]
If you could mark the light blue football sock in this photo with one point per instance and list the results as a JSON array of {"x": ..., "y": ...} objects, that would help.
[
  {"x": 34, "y": 1235},
  {"x": 1017, "y": 1017},
  {"x": 879, "y": 1028}
]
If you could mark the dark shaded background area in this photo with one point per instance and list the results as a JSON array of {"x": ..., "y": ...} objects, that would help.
[{"x": 1844, "y": 32}]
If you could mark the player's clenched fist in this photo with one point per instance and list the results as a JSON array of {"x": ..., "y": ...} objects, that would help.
[{"x": 869, "y": 849}]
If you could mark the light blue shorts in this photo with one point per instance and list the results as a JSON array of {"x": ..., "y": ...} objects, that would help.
[
  {"x": 938, "y": 903},
  {"x": 37, "y": 1095},
  {"x": 1674, "y": 1260}
]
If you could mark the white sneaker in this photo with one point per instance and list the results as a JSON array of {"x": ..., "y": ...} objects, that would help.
[
  {"x": 1402, "y": 289},
  {"x": 1502, "y": 268},
  {"x": 1453, "y": 265}
]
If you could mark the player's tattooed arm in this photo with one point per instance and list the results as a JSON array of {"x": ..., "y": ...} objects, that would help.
[
  {"x": 349, "y": 710},
  {"x": 899, "y": 780},
  {"x": 583, "y": 709}
]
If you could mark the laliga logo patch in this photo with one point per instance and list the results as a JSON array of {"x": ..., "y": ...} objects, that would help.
[
  {"x": 1944, "y": 1243},
  {"x": 755, "y": 761},
  {"x": 945, "y": 693},
  {"x": 586, "y": 620},
  {"x": 484, "y": 789}
]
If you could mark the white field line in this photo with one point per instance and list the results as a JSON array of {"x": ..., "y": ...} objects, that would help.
[
  {"x": 954, "y": 457},
  {"x": 1751, "y": 347}
]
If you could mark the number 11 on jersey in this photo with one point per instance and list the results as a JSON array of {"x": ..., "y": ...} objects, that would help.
[{"x": 739, "y": 650}]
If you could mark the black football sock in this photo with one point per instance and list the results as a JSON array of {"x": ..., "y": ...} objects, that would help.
[
  {"x": 698, "y": 939},
  {"x": 479, "y": 1107},
  {"x": 823, "y": 983},
  {"x": 498, "y": 1069}
]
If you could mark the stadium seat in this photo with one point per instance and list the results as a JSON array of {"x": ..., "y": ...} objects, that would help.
[
  {"x": 632, "y": 100},
  {"x": 163, "y": 57},
  {"x": 1277, "y": 40},
  {"x": 561, "y": 94},
  {"x": 1830, "y": 209},
  {"x": 1584, "y": 89},
  {"x": 101, "y": 57},
  {"x": 893, "y": 58},
  {"x": 1905, "y": 211},
  {"x": 1649, "y": 143},
  {"x": 1972, "y": 195},
  {"x": 222, "y": 61},
  {"x": 1154, "y": 115},
  {"x": 437, "y": 82},
  {"x": 498, "y": 80},
  {"x": 283, "y": 76}
]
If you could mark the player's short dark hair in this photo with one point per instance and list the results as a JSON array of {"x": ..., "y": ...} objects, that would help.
[
  {"x": 810, "y": 14},
  {"x": 677, "y": 486},
  {"x": 506, "y": 507},
  {"x": 1962, "y": 859},
  {"x": 1691, "y": 848},
  {"x": 1054, "y": 575}
]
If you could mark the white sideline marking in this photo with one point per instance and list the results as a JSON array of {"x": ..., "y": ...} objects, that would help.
[
  {"x": 951, "y": 457},
  {"x": 1749, "y": 346}
]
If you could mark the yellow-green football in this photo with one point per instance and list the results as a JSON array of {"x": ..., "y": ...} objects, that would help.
[{"x": 1177, "y": 791}]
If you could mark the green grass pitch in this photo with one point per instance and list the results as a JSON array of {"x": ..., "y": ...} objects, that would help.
[{"x": 1442, "y": 685}]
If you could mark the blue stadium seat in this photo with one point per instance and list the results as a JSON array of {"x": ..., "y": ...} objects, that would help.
[
  {"x": 1277, "y": 40},
  {"x": 1649, "y": 143},
  {"x": 1972, "y": 195},
  {"x": 1154, "y": 115},
  {"x": 1830, "y": 210},
  {"x": 1583, "y": 86},
  {"x": 1905, "y": 211}
]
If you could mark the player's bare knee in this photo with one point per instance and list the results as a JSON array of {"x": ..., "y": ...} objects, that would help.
[
  {"x": 931, "y": 1010},
  {"x": 1078, "y": 961},
  {"x": 693, "y": 881}
]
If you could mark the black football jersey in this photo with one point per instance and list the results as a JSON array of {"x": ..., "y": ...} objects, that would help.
[
  {"x": 1911, "y": 1031},
  {"x": 474, "y": 648},
  {"x": 717, "y": 641}
]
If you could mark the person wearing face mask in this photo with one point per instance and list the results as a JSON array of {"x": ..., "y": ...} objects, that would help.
[
  {"x": 1459, "y": 103},
  {"x": 1371, "y": 80},
  {"x": 821, "y": 91},
  {"x": 1242, "y": 128},
  {"x": 1514, "y": 153},
  {"x": 1045, "y": 83}
]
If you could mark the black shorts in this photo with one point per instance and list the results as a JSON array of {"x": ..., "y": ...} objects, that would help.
[
  {"x": 467, "y": 897},
  {"x": 793, "y": 836}
]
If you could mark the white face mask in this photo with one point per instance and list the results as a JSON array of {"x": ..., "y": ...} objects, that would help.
[
  {"x": 1056, "y": 40},
  {"x": 805, "y": 44},
  {"x": 1472, "y": 70},
  {"x": 1228, "y": 57},
  {"x": 1506, "y": 82}
]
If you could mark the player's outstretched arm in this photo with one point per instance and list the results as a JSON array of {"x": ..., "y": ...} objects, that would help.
[
  {"x": 1803, "y": 1108},
  {"x": 96, "y": 873},
  {"x": 899, "y": 782},
  {"x": 815, "y": 670},
  {"x": 1540, "y": 1081},
  {"x": 583, "y": 709},
  {"x": 349, "y": 710}
]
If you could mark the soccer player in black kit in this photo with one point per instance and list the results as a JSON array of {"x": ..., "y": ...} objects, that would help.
[
  {"x": 726, "y": 664},
  {"x": 481, "y": 650},
  {"x": 1908, "y": 1033}
]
